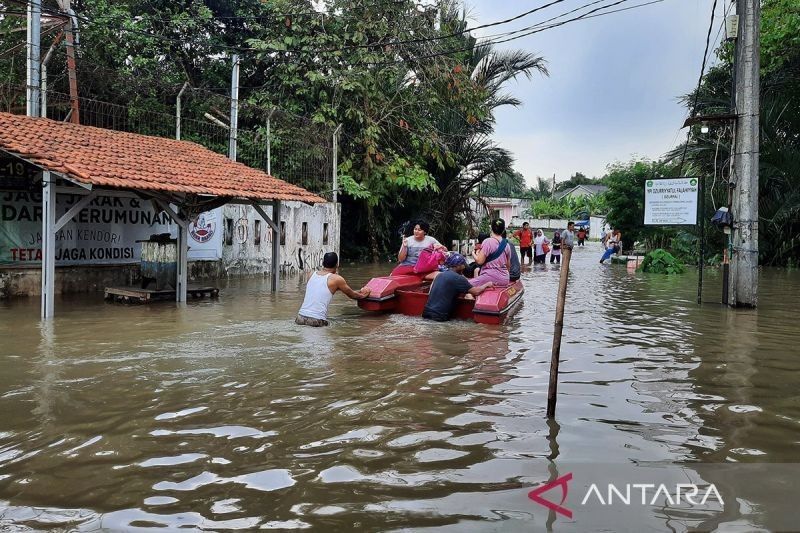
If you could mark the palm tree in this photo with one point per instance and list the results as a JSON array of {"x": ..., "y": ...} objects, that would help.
[{"x": 475, "y": 156}]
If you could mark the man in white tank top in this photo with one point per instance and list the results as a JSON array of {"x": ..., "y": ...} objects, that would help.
[{"x": 320, "y": 289}]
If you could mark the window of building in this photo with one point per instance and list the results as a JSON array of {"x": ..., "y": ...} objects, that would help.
[
  {"x": 257, "y": 233},
  {"x": 283, "y": 232},
  {"x": 229, "y": 231},
  {"x": 325, "y": 234},
  {"x": 304, "y": 234}
]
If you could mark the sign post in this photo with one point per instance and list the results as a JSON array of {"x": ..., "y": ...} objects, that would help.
[
  {"x": 674, "y": 202},
  {"x": 671, "y": 202}
]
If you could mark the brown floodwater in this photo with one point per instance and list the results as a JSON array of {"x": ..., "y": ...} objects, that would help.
[{"x": 222, "y": 414}]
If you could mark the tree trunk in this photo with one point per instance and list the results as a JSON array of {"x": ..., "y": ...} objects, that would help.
[
  {"x": 372, "y": 230},
  {"x": 373, "y": 234}
]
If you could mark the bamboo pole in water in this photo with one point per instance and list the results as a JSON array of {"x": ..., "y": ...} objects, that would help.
[{"x": 552, "y": 390}]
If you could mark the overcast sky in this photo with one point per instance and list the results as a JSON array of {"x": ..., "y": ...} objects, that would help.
[{"x": 613, "y": 85}]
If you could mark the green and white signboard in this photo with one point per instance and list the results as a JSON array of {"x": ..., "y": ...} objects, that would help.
[{"x": 671, "y": 202}]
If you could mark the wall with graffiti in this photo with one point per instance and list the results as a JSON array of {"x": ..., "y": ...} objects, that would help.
[{"x": 307, "y": 233}]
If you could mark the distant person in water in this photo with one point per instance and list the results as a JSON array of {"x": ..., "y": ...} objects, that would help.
[
  {"x": 525, "y": 236},
  {"x": 446, "y": 288},
  {"x": 412, "y": 246},
  {"x": 568, "y": 236},
  {"x": 539, "y": 242},
  {"x": 555, "y": 253},
  {"x": 614, "y": 245},
  {"x": 581, "y": 236},
  {"x": 494, "y": 257},
  {"x": 320, "y": 288}
]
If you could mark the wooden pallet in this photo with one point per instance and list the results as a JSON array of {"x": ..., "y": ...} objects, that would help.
[{"x": 138, "y": 295}]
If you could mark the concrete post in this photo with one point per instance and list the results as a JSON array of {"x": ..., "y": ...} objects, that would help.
[
  {"x": 48, "y": 244},
  {"x": 182, "y": 260},
  {"x": 744, "y": 261},
  {"x": 33, "y": 91},
  {"x": 234, "y": 109},
  {"x": 276, "y": 245}
]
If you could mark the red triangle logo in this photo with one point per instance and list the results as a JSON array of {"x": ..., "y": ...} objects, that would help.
[{"x": 536, "y": 495}]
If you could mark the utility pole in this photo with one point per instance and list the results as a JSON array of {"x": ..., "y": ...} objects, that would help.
[
  {"x": 234, "y": 131},
  {"x": 33, "y": 92},
  {"x": 44, "y": 64},
  {"x": 72, "y": 42},
  {"x": 743, "y": 290},
  {"x": 178, "y": 111}
]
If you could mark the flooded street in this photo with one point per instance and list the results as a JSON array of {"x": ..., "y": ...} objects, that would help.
[{"x": 225, "y": 415}]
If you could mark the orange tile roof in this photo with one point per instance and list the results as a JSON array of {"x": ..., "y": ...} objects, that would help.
[{"x": 122, "y": 160}]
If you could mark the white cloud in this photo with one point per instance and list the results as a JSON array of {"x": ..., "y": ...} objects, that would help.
[{"x": 613, "y": 88}]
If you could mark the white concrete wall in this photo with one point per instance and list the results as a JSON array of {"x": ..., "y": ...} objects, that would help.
[
  {"x": 242, "y": 256},
  {"x": 541, "y": 223},
  {"x": 597, "y": 225}
]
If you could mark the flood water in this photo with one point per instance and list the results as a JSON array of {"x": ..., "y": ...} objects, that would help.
[{"x": 225, "y": 415}]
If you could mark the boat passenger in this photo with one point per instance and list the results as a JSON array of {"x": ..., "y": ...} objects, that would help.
[
  {"x": 446, "y": 288},
  {"x": 474, "y": 269},
  {"x": 514, "y": 267},
  {"x": 413, "y": 246},
  {"x": 320, "y": 288},
  {"x": 494, "y": 257}
]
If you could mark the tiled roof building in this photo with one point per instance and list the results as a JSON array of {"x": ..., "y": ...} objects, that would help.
[{"x": 107, "y": 158}]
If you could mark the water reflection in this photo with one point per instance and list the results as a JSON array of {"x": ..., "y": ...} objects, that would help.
[{"x": 223, "y": 415}]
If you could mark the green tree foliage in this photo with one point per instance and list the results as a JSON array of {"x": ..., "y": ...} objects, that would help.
[
  {"x": 660, "y": 261},
  {"x": 416, "y": 97},
  {"x": 708, "y": 155},
  {"x": 577, "y": 208},
  {"x": 542, "y": 189},
  {"x": 475, "y": 88},
  {"x": 577, "y": 179},
  {"x": 625, "y": 201},
  {"x": 506, "y": 184}
]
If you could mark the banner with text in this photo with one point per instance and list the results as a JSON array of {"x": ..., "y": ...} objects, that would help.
[
  {"x": 104, "y": 232},
  {"x": 671, "y": 202}
]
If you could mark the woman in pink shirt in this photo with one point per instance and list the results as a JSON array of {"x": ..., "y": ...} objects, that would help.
[{"x": 494, "y": 257}]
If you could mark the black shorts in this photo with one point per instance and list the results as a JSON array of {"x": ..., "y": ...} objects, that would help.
[{"x": 528, "y": 250}]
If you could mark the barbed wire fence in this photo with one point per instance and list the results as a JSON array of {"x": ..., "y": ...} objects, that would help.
[{"x": 288, "y": 146}]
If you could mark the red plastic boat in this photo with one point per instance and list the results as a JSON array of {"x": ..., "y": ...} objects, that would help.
[{"x": 408, "y": 295}]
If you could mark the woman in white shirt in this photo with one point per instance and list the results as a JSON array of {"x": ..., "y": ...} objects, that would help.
[
  {"x": 412, "y": 246},
  {"x": 539, "y": 255}
]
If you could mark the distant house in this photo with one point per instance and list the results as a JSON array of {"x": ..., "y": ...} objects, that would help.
[
  {"x": 580, "y": 191},
  {"x": 505, "y": 208}
]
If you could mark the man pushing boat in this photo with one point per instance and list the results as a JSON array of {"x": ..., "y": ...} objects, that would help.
[
  {"x": 447, "y": 287},
  {"x": 320, "y": 288}
]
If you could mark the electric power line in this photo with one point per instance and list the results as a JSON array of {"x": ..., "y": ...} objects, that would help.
[
  {"x": 699, "y": 82},
  {"x": 539, "y": 27}
]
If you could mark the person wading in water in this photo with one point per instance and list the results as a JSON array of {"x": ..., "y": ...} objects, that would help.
[{"x": 320, "y": 289}]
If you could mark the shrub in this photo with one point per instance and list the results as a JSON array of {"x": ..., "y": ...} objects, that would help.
[{"x": 660, "y": 261}]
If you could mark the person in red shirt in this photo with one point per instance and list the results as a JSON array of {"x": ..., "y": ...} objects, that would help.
[
  {"x": 581, "y": 235},
  {"x": 525, "y": 236}
]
